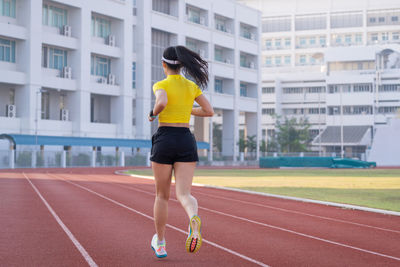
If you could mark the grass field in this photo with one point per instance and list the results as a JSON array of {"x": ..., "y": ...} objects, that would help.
[{"x": 375, "y": 188}]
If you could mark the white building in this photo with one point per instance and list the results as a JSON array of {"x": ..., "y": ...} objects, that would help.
[
  {"x": 86, "y": 68},
  {"x": 335, "y": 62}
]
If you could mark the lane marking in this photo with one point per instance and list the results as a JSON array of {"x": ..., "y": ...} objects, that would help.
[
  {"x": 168, "y": 225},
  {"x": 78, "y": 245},
  {"x": 271, "y": 207},
  {"x": 278, "y": 228}
]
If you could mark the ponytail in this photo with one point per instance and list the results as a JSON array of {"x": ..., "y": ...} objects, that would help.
[{"x": 193, "y": 65}]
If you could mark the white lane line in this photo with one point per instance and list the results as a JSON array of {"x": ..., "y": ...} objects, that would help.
[
  {"x": 301, "y": 213},
  {"x": 168, "y": 225},
  {"x": 278, "y": 228},
  {"x": 271, "y": 207},
  {"x": 78, "y": 245}
]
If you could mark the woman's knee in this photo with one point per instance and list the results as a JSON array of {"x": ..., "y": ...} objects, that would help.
[{"x": 162, "y": 196}]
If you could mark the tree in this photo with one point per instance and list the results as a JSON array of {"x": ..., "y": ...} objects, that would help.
[
  {"x": 292, "y": 135},
  {"x": 251, "y": 143},
  {"x": 217, "y": 137}
]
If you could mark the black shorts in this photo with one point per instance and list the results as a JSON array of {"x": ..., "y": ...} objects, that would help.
[{"x": 173, "y": 144}]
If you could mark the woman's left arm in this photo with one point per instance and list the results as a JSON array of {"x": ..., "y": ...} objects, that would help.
[{"x": 161, "y": 103}]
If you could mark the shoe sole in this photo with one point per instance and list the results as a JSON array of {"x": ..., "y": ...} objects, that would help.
[
  {"x": 158, "y": 256},
  {"x": 194, "y": 240}
]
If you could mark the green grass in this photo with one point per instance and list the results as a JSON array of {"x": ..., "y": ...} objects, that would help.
[{"x": 375, "y": 188}]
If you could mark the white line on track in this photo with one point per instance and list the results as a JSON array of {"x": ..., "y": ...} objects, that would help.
[
  {"x": 168, "y": 225},
  {"x": 275, "y": 208},
  {"x": 280, "y": 228},
  {"x": 78, "y": 245}
]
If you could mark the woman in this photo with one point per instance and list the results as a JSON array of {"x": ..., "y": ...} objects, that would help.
[{"x": 173, "y": 145}]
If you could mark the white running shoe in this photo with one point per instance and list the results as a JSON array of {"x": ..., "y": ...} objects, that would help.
[{"x": 158, "y": 247}]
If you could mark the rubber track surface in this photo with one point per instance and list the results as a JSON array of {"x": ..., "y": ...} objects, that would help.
[{"x": 111, "y": 217}]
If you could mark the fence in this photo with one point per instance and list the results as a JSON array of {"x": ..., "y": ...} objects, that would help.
[{"x": 65, "y": 159}]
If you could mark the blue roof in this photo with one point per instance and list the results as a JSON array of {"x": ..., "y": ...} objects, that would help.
[{"x": 23, "y": 139}]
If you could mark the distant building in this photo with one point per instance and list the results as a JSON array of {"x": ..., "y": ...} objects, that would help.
[
  {"x": 335, "y": 62},
  {"x": 86, "y": 68}
]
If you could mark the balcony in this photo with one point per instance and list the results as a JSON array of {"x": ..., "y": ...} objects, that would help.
[
  {"x": 104, "y": 85},
  {"x": 59, "y": 79},
  {"x": 9, "y": 73},
  {"x": 198, "y": 46},
  {"x": 248, "y": 32}
]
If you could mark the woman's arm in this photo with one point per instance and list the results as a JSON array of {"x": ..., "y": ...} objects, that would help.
[
  {"x": 205, "y": 109},
  {"x": 161, "y": 103}
]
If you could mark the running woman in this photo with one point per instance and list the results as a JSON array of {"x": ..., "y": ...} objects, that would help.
[{"x": 173, "y": 145}]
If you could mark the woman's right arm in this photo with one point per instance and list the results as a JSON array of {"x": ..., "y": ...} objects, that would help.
[{"x": 205, "y": 109}]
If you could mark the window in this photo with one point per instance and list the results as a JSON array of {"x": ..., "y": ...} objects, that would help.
[
  {"x": 246, "y": 32},
  {"x": 312, "y": 41},
  {"x": 7, "y": 8},
  {"x": 54, "y": 58},
  {"x": 374, "y": 37},
  {"x": 218, "y": 86},
  {"x": 385, "y": 36},
  {"x": 293, "y": 90},
  {"x": 218, "y": 54},
  {"x": 338, "y": 39},
  {"x": 243, "y": 61},
  {"x": 372, "y": 20},
  {"x": 277, "y": 43},
  {"x": 100, "y": 66},
  {"x": 322, "y": 40},
  {"x": 268, "y": 111},
  {"x": 395, "y": 18},
  {"x": 54, "y": 16},
  {"x": 7, "y": 50},
  {"x": 302, "y": 59},
  {"x": 358, "y": 38},
  {"x": 243, "y": 89},
  {"x": 287, "y": 42},
  {"x": 268, "y": 90},
  {"x": 362, "y": 88},
  {"x": 278, "y": 60},
  {"x": 287, "y": 60},
  {"x": 133, "y": 75},
  {"x": 101, "y": 27},
  {"x": 220, "y": 24},
  {"x": 192, "y": 45},
  {"x": 347, "y": 39},
  {"x": 193, "y": 15},
  {"x": 268, "y": 61},
  {"x": 268, "y": 43},
  {"x": 303, "y": 41},
  {"x": 395, "y": 36},
  {"x": 389, "y": 88},
  {"x": 381, "y": 19},
  {"x": 45, "y": 106}
]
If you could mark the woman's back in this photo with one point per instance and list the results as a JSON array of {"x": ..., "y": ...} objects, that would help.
[{"x": 181, "y": 94}]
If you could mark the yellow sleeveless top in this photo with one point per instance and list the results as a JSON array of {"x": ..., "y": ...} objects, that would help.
[{"x": 181, "y": 94}]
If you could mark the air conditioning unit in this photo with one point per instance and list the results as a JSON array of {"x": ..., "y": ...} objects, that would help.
[
  {"x": 102, "y": 80},
  {"x": 67, "y": 72},
  {"x": 64, "y": 114},
  {"x": 202, "y": 20},
  {"x": 252, "y": 65},
  {"x": 111, "y": 40},
  {"x": 66, "y": 30},
  {"x": 111, "y": 79},
  {"x": 252, "y": 36},
  {"x": 227, "y": 61},
  {"x": 202, "y": 53},
  {"x": 11, "y": 111}
]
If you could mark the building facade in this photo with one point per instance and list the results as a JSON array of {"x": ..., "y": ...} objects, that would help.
[
  {"x": 86, "y": 68},
  {"x": 335, "y": 62}
]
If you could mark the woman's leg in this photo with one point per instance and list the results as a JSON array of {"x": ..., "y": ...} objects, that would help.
[
  {"x": 184, "y": 172},
  {"x": 162, "y": 174}
]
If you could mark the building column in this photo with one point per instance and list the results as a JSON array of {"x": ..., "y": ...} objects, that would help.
[
  {"x": 229, "y": 134},
  {"x": 143, "y": 70},
  {"x": 201, "y": 131},
  {"x": 252, "y": 127}
]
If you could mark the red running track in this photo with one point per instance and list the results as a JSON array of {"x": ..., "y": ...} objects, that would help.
[{"x": 94, "y": 217}]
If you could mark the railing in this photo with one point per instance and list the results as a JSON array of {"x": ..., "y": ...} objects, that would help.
[{"x": 67, "y": 159}]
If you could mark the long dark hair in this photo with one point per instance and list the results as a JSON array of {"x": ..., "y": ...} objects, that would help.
[{"x": 191, "y": 62}]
